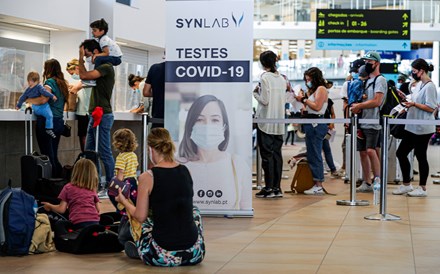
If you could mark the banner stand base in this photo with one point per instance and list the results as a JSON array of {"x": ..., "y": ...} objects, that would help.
[{"x": 227, "y": 213}]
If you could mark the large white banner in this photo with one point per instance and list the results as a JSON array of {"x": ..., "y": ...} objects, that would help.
[{"x": 209, "y": 47}]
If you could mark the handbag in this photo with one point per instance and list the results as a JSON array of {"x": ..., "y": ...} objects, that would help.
[
  {"x": 398, "y": 130},
  {"x": 67, "y": 130}
]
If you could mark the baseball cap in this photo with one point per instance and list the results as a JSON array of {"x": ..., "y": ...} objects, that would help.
[
  {"x": 362, "y": 71},
  {"x": 356, "y": 64},
  {"x": 372, "y": 55}
]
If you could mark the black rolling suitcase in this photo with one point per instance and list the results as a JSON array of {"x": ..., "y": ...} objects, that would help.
[
  {"x": 33, "y": 166},
  {"x": 93, "y": 155}
]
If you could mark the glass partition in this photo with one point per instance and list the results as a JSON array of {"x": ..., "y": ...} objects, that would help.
[{"x": 15, "y": 64}]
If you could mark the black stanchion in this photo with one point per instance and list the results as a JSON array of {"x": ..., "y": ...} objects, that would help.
[
  {"x": 353, "y": 169},
  {"x": 382, "y": 215}
]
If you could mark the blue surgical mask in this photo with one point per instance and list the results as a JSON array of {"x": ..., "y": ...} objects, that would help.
[
  {"x": 355, "y": 75},
  {"x": 309, "y": 84},
  {"x": 398, "y": 85},
  {"x": 208, "y": 136},
  {"x": 75, "y": 77}
]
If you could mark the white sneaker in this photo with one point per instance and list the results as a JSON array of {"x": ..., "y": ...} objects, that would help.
[
  {"x": 102, "y": 194},
  {"x": 364, "y": 187},
  {"x": 402, "y": 189},
  {"x": 418, "y": 192},
  {"x": 315, "y": 190}
]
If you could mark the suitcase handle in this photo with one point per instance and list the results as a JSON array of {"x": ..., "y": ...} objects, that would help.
[{"x": 28, "y": 136}]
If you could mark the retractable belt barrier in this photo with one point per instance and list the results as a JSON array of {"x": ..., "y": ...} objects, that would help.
[{"x": 386, "y": 122}]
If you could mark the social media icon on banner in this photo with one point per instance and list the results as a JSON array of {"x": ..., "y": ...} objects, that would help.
[
  {"x": 209, "y": 193},
  {"x": 201, "y": 193},
  {"x": 218, "y": 193}
]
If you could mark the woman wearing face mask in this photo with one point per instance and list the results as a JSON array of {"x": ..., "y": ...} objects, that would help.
[
  {"x": 203, "y": 151},
  {"x": 422, "y": 106},
  {"x": 270, "y": 94},
  {"x": 82, "y": 101},
  {"x": 315, "y": 103},
  {"x": 137, "y": 84},
  {"x": 173, "y": 235}
]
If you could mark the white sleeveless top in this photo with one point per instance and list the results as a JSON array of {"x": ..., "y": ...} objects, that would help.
[{"x": 321, "y": 111}]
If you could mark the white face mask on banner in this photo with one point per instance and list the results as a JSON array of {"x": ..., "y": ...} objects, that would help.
[{"x": 208, "y": 136}]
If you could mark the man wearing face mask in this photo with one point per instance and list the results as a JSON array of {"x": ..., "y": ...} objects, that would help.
[{"x": 375, "y": 88}]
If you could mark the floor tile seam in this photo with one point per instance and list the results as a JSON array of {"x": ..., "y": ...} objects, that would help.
[
  {"x": 333, "y": 240},
  {"x": 411, "y": 234}
]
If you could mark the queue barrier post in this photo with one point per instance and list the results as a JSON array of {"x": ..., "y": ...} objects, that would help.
[
  {"x": 353, "y": 170},
  {"x": 145, "y": 132},
  {"x": 382, "y": 215}
]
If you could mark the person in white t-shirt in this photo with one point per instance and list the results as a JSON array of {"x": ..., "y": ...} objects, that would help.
[
  {"x": 111, "y": 52},
  {"x": 220, "y": 178}
]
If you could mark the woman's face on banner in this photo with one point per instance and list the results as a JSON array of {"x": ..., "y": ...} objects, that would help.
[{"x": 210, "y": 115}]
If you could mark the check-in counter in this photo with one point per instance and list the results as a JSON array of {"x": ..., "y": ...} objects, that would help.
[{"x": 12, "y": 141}]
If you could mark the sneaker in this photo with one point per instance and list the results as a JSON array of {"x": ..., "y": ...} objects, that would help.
[
  {"x": 418, "y": 192},
  {"x": 102, "y": 194},
  {"x": 265, "y": 193},
  {"x": 88, "y": 83},
  {"x": 339, "y": 173},
  {"x": 277, "y": 193},
  {"x": 131, "y": 250},
  {"x": 315, "y": 190},
  {"x": 364, "y": 187},
  {"x": 402, "y": 189},
  {"x": 360, "y": 134},
  {"x": 51, "y": 133}
]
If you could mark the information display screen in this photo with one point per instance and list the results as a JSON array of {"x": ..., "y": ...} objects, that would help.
[{"x": 363, "y": 29}]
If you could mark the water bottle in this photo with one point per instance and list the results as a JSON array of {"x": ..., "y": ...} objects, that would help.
[
  {"x": 35, "y": 207},
  {"x": 376, "y": 190}
]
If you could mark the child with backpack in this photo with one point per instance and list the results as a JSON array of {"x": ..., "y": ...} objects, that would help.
[
  {"x": 79, "y": 196},
  {"x": 124, "y": 140}
]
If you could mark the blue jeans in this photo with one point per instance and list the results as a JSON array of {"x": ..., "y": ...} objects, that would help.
[
  {"x": 48, "y": 145},
  {"x": 104, "y": 143},
  {"x": 107, "y": 59},
  {"x": 314, "y": 138},
  {"x": 45, "y": 111},
  {"x": 328, "y": 155}
]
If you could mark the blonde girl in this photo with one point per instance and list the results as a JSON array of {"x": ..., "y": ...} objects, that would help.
[{"x": 79, "y": 196}]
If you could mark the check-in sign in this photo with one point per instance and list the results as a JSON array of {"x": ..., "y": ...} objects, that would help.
[{"x": 363, "y": 29}]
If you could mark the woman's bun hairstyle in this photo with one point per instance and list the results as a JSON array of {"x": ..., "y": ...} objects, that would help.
[{"x": 160, "y": 140}]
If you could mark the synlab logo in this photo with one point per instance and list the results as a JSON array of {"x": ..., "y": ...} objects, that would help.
[
  {"x": 237, "y": 23},
  {"x": 209, "y": 23}
]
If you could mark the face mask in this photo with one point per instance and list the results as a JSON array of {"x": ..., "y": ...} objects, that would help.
[
  {"x": 75, "y": 77},
  {"x": 355, "y": 75},
  {"x": 309, "y": 84},
  {"x": 150, "y": 155},
  {"x": 398, "y": 85},
  {"x": 415, "y": 76},
  {"x": 207, "y": 136},
  {"x": 369, "y": 68}
]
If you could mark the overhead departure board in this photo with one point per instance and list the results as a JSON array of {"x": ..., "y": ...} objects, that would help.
[{"x": 363, "y": 29}]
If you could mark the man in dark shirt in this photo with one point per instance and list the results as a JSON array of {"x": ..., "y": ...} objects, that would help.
[
  {"x": 100, "y": 97},
  {"x": 155, "y": 87}
]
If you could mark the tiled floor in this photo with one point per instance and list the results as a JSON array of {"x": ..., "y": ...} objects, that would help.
[{"x": 295, "y": 234}]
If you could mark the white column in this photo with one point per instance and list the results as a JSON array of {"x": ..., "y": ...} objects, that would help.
[
  {"x": 301, "y": 49},
  {"x": 436, "y": 62},
  {"x": 285, "y": 50}
]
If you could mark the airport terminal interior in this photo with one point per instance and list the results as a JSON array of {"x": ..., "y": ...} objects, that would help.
[{"x": 297, "y": 233}]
